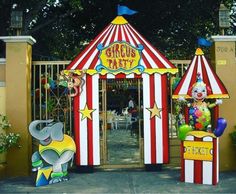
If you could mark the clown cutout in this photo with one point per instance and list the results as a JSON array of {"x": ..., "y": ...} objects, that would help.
[{"x": 199, "y": 112}]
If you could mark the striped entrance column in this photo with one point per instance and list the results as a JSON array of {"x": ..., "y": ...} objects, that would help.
[{"x": 200, "y": 158}]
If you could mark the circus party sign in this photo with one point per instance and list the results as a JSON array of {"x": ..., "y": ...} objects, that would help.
[{"x": 120, "y": 57}]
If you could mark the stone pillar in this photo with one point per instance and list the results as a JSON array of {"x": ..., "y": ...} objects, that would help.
[
  {"x": 18, "y": 101},
  {"x": 224, "y": 62}
]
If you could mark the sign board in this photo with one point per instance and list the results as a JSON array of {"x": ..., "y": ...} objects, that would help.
[
  {"x": 120, "y": 57},
  {"x": 198, "y": 150}
]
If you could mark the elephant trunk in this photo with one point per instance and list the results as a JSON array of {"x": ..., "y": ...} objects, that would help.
[{"x": 38, "y": 133}]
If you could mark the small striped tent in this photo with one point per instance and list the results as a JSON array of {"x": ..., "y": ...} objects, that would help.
[
  {"x": 200, "y": 65},
  {"x": 154, "y": 68},
  {"x": 200, "y": 171}
]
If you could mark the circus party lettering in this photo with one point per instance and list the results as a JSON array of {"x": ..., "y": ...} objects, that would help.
[
  {"x": 120, "y": 57},
  {"x": 118, "y": 50}
]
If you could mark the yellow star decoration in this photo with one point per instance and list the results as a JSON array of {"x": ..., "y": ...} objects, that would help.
[
  {"x": 86, "y": 113},
  {"x": 155, "y": 111}
]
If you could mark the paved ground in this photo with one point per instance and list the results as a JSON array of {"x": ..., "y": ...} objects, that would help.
[
  {"x": 123, "y": 148},
  {"x": 166, "y": 181}
]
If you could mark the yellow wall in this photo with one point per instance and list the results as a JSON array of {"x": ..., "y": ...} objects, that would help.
[
  {"x": 224, "y": 61},
  {"x": 2, "y": 100},
  {"x": 2, "y": 112},
  {"x": 2, "y": 72},
  {"x": 18, "y": 101}
]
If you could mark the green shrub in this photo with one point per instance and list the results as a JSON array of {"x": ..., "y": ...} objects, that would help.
[
  {"x": 233, "y": 136},
  {"x": 7, "y": 140}
]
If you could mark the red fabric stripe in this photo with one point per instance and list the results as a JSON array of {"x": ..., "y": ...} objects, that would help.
[
  {"x": 131, "y": 39},
  {"x": 152, "y": 120},
  {"x": 182, "y": 175},
  {"x": 186, "y": 113},
  {"x": 120, "y": 76},
  {"x": 193, "y": 78},
  {"x": 197, "y": 167},
  {"x": 95, "y": 59},
  {"x": 147, "y": 64},
  {"x": 215, "y": 116},
  {"x": 138, "y": 76},
  {"x": 214, "y": 166},
  {"x": 205, "y": 77},
  {"x": 77, "y": 129},
  {"x": 180, "y": 84},
  {"x": 102, "y": 76},
  {"x": 119, "y": 34},
  {"x": 89, "y": 89},
  {"x": 219, "y": 82},
  {"x": 158, "y": 63},
  {"x": 126, "y": 36},
  {"x": 88, "y": 47},
  {"x": 113, "y": 35},
  {"x": 165, "y": 118},
  {"x": 215, "y": 148},
  {"x": 147, "y": 47}
]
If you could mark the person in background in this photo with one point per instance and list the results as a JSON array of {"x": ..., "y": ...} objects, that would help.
[{"x": 131, "y": 104}]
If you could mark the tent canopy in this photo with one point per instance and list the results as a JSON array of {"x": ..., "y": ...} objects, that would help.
[
  {"x": 120, "y": 31},
  {"x": 200, "y": 65}
]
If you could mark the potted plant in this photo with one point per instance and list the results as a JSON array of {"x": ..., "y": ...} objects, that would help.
[
  {"x": 233, "y": 136},
  {"x": 7, "y": 140}
]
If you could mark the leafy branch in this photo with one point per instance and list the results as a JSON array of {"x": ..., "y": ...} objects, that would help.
[{"x": 7, "y": 140}]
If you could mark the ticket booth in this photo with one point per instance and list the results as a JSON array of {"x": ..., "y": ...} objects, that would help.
[
  {"x": 202, "y": 90},
  {"x": 200, "y": 158}
]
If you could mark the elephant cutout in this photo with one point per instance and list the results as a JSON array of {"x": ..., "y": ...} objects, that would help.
[{"x": 55, "y": 151}]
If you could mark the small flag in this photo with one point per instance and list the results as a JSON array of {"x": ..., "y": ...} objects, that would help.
[
  {"x": 204, "y": 42},
  {"x": 123, "y": 10}
]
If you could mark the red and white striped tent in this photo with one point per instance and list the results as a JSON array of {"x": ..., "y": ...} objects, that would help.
[
  {"x": 155, "y": 92},
  {"x": 201, "y": 171},
  {"x": 200, "y": 65}
]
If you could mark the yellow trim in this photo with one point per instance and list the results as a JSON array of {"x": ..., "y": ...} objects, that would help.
[
  {"x": 212, "y": 96},
  {"x": 161, "y": 71},
  {"x": 201, "y": 134},
  {"x": 186, "y": 96},
  {"x": 75, "y": 71},
  {"x": 218, "y": 96},
  {"x": 199, "y": 52},
  {"x": 119, "y": 20},
  {"x": 148, "y": 71}
]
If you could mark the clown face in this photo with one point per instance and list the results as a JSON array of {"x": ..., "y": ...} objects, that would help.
[{"x": 199, "y": 92}]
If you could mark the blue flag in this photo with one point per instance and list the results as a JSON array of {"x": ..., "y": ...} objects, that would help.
[
  {"x": 123, "y": 10},
  {"x": 204, "y": 42}
]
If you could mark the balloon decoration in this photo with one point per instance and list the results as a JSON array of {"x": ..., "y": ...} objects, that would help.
[
  {"x": 48, "y": 82},
  {"x": 183, "y": 130},
  {"x": 199, "y": 112},
  {"x": 221, "y": 125}
]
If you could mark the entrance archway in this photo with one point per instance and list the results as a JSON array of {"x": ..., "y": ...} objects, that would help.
[{"x": 121, "y": 126}]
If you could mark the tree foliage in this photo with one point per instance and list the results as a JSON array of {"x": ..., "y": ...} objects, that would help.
[{"x": 63, "y": 28}]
